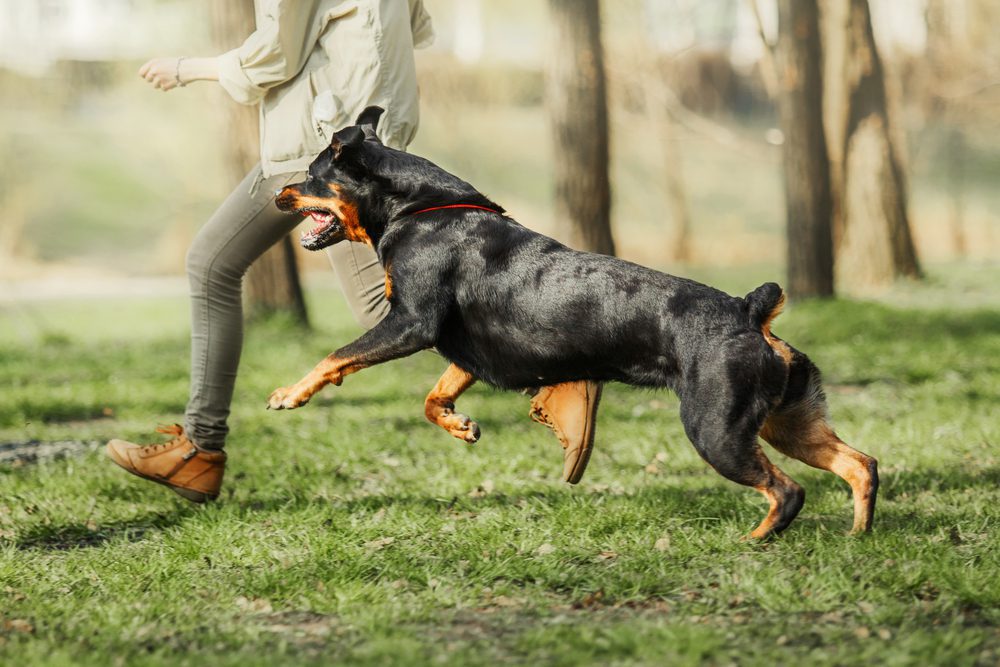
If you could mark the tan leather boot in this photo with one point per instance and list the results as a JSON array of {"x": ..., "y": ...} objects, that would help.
[
  {"x": 570, "y": 410},
  {"x": 192, "y": 472}
]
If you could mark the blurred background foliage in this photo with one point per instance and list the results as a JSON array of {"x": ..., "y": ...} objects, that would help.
[{"x": 102, "y": 175}]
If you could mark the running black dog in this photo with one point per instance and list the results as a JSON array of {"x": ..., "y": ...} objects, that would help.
[{"x": 517, "y": 309}]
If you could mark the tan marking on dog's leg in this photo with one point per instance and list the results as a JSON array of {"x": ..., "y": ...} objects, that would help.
[
  {"x": 439, "y": 407},
  {"x": 784, "y": 496},
  {"x": 388, "y": 281},
  {"x": 331, "y": 370},
  {"x": 806, "y": 436}
]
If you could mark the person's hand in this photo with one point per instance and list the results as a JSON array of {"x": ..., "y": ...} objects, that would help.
[{"x": 162, "y": 73}]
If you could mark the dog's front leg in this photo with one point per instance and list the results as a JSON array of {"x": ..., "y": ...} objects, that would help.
[
  {"x": 394, "y": 337},
  {"x": 329, "y": 371}
]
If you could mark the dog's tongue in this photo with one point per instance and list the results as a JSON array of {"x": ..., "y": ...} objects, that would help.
[
  {"x": 322, "y": 223},
  {"x": 321, "y": 219}
]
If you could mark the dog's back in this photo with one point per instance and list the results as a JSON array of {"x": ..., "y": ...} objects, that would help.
[{"x": 526, "y": 311}]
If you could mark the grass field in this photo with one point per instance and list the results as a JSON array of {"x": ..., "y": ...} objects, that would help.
[{"x": 352, "y": 532}]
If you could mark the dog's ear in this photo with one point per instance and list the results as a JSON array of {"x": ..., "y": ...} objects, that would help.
[
  {"x": 370, "y": 116},
  {"x": 346, "y": 140}
]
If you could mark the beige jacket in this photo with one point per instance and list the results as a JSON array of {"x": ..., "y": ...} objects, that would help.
[{"x": 313, "y": 65}]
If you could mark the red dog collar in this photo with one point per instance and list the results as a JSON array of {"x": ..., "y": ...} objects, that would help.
[{"x": 439, "y": 208}]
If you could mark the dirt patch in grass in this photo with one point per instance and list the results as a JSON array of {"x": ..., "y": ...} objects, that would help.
[
  {"x": 15, "y": 454},
  {"x": 303, "y": 627}
]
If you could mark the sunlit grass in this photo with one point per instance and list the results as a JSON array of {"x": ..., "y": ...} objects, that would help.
[{"x": 352, "y": 531}]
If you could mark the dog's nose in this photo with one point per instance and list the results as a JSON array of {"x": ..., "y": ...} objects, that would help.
[{"x": 277, "y": 193}]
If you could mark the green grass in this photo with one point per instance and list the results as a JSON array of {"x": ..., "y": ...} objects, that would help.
[{"x": 353, "y": 532}]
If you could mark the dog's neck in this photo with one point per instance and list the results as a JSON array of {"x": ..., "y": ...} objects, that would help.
[
  {"x": 380, "y": 216},
  {"x": 393, "y": 196}
]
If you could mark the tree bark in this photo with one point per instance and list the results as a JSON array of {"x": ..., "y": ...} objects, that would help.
[
  {"x": 806, "y": 164},
  {"x": 874, "y": 245},
  {"x": 673, "y": 176},
  {"x": 667, "y": 130},
  {"x": 272, "y": 284},
  {"x": 576, "y": 97}
]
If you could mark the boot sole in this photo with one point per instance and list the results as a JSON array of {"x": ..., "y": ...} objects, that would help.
[{"x": 580, "y": 465}]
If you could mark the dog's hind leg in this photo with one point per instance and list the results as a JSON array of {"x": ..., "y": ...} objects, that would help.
[
  {"x": 809, "y": 438},
  {"x": 744, "y": 462},
  {"x": 800, "y": 428},
  {"x": 439, "y": 407},
  {"x": 725, "y": 435}
]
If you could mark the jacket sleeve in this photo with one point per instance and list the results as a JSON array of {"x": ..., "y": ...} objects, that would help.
[
  {"x": 274, "y": 53},
  {"x": 420, "y": 24}
]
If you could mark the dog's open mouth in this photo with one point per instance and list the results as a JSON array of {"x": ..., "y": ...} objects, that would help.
[{"x": 327, "y": 225}]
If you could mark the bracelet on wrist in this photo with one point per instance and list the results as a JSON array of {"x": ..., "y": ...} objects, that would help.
[{"x": 177, "y": 73}]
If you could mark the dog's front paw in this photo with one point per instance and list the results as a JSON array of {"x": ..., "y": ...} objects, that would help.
[
  {"x": 463, "y": 428},
  {"x": 282, "y": 398}
]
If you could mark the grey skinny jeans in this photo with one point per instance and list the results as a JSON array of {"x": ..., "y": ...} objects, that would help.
[{"x": 238, "y": 233}]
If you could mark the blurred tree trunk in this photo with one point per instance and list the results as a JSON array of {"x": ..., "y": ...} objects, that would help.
[
  {"x": 576, "y": 97},
  {"x": 956, "y": 163},
  {"x": 272, "y": 283},
  {"x": 948, "y": 49},
  {"x": 806, "y": 164},
  {"x": 658, "y": 96},
  {"x": 872, "y": 235},
  {"x": 677, "y": 201}
]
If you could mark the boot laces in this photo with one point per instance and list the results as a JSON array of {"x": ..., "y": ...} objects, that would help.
[{"x": 176, "y": 430}]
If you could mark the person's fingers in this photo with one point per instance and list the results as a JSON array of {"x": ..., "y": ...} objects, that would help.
[{"x": 160, "y": 73}]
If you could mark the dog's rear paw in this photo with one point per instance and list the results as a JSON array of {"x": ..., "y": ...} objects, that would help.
[{"x": 281, "y": 399}]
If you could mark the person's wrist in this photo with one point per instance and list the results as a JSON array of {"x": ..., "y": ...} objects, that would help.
[{"x": 177, "y": 72}]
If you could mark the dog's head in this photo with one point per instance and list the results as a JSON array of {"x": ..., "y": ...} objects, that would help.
[
  {"x": 358, "y": 188},
  {"x": 337, "y": 187}
]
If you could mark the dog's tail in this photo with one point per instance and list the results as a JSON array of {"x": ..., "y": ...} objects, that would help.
[{"x": 765, "y": 303}]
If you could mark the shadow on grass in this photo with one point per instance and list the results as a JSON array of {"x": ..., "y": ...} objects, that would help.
[
  {"x": 675, "y": 502},
  {"x": 679, "y": 502},
  {"x": 947, "y": 478},
  {"x": 80, "y": 536}
]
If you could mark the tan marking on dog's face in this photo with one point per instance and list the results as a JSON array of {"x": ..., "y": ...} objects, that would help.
[
  {"x": 342, "y": 208},
  {"x": 349, "y": 218}
]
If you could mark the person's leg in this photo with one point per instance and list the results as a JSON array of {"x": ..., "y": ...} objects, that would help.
[
  {"x": 362, "y": 281},
  {"x": 239, "y": 232},
  {"x": 192, "y": 463}
]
